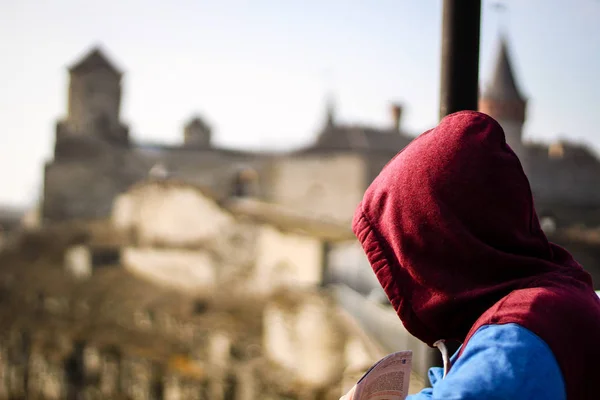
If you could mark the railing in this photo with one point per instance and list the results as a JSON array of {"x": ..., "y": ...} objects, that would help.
[{"x": 384, "y": 327}]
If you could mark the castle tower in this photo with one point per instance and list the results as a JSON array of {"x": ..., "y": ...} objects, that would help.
[
  {"x": 502, "y": 99},
  {"x": 94, "y": 100},
  {"x": 196, "y": 134}
]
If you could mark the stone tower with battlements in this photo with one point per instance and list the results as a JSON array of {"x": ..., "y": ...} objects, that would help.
[
  {"x": 502, "y": 99},
  {"x": 94, "y": 102},
  {"x": 197, "y": 134}
]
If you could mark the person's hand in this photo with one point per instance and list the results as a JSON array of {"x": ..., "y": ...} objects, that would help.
[{"x": 349, "y": 395}]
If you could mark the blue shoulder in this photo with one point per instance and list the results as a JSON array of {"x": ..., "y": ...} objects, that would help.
[{"x": 499, "y": 362}]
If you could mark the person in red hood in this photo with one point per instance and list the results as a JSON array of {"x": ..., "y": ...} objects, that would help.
[{"x": 451, "y": 232}]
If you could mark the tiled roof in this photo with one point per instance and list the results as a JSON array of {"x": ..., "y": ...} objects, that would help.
[
  {"x": 359, "y": 138},
  {"x": 503, "y": 85}
]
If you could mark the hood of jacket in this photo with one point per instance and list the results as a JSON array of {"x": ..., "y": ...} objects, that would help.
[{"x": 449, "y": 227}]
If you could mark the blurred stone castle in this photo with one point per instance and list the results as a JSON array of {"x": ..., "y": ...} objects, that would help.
[
  {"x": 564, "y": 177},
  {"x": 95, "y": 160}
]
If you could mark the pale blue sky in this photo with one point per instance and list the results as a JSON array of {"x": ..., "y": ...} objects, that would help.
[{"x": 259, "y": 71}]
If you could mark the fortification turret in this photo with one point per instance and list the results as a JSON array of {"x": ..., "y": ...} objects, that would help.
[
  {"x": 94, "y": 100},
  {"x": 503, "y": 100},
  {"x": 197, "y": 133}
]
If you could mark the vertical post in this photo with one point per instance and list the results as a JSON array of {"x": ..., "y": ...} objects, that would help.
[{"x": 461, "y": 21}]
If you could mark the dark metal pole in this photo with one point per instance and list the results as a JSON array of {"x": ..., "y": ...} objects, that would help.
[
  {"x": 460, "y": 55},
  {"x": 461, "y": 21}
]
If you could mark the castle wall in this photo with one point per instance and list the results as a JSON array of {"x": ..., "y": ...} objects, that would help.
[
  {"x": 212, "y": 169},
  {"x": 179, "y": 235},
  {"x": 567, "y": 188},
  {"x": 84, "y": 187},
  {"x": 330, "y": 186},
  {"x": 83, "y": 190},
  {"x": 566, "y": 185},
  {"x": 169, "y": 215},
  {"x": 87, "y": 175}
]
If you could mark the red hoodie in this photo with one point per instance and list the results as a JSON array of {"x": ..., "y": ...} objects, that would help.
[{"x": 451, "y": 232}]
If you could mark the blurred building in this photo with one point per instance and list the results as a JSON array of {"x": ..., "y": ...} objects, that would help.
[
  {"x": 10, "y": 221},
  {"x": 95, "y": 160},
  {"x": 564, "y": 177},
  {"x": 182, "y": 295},
  {"x": 178, "y": 234}
]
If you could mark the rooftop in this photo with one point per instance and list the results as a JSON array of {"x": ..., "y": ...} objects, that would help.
[
  {"x": 94, "y": 60},
  {"x": 503, "y": 85}
]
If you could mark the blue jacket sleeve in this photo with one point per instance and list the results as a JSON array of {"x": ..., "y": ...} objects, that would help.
[{"x": 499, "y": 362}]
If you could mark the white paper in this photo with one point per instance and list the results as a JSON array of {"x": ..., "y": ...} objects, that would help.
[{"x": 388, "y": 379}]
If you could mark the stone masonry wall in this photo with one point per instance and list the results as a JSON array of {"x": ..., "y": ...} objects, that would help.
[{"x": 321, "y": 185}]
